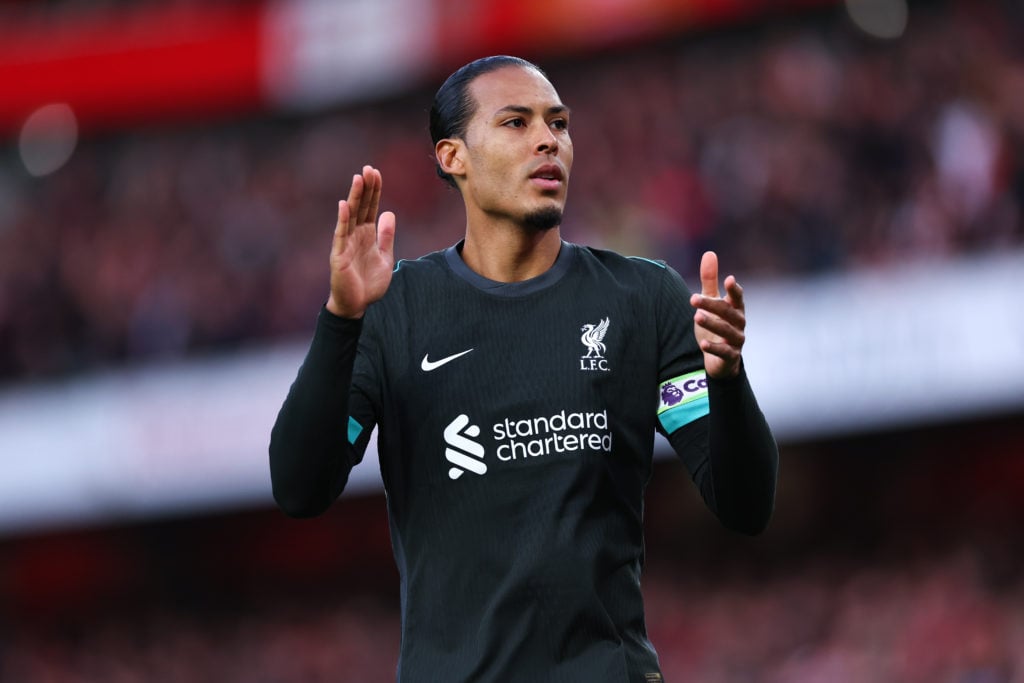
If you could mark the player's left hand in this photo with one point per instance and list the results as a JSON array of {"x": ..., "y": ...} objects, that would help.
[{"x": 719, "y": 321}]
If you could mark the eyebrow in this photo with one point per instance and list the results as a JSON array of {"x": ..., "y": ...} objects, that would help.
[{"x": 521, "y": 109}]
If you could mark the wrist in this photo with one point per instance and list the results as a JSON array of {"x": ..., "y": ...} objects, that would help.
[
  {"x": 334, "y": 308},
  {"x": 728, "y": 372}
]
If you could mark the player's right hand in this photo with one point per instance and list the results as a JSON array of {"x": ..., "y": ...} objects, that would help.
[{"x": 362, "y": 255}]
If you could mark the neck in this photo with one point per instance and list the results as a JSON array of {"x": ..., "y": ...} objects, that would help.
[{"x": 510, "y": 253}]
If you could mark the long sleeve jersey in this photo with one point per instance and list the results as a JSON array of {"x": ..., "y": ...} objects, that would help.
[{"x": 515, "y": 431}]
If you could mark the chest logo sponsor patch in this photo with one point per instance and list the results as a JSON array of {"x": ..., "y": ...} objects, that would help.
[
  {"x": 593, "y": 338},
  {"x": 462, "y": 451},
  {"x": 427, "y": 365},
  {"x": 562, "y": 434}
]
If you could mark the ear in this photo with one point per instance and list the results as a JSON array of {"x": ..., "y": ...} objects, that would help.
[{"x": 450, "y": 154}]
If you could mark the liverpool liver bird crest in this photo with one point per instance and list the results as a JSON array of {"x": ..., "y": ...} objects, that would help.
[{"x": 592, "y": 338}]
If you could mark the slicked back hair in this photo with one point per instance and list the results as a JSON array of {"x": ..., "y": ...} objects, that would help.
[{"x": 453, "y": 106}]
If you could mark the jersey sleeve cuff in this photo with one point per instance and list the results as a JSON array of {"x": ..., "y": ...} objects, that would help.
[{"x": 330, "y": 323}]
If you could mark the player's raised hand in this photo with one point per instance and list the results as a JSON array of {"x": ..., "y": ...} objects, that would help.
[
  {"x": 719, "y": 321},
  {"x": 362, "y": 255}
]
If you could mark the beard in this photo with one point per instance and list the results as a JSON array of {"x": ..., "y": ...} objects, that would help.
[{"x": 543, "y": 219}]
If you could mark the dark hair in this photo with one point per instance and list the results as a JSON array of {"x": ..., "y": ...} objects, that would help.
[{"x": 453, "y": 107}]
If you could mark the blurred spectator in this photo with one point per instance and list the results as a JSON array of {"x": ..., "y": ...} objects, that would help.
[
  {"x": 936, "y": 619},
  {"x": 794, "y": 148}
]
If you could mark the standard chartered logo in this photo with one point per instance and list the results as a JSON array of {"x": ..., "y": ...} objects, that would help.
[
  {"x": 561, "y": 433},
  {"x": 462, "y": 452}
]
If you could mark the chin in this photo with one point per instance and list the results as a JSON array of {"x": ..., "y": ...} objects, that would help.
[{"x": 543, "y": 218}]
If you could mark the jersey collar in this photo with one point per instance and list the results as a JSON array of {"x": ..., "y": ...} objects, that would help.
[{"x": 453, "y": 256}]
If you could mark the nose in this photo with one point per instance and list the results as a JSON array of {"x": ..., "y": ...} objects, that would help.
[{"x": 547, "y": 142}]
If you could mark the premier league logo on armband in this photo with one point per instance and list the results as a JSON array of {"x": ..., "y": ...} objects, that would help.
[
  {"x": 670, "y": 394},
  {"x": 593, "y": 339}
]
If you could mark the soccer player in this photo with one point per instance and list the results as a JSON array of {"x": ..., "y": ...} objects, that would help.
[{"x": 516, "y": 381}]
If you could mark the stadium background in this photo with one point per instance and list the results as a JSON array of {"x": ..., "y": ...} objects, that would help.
[{"x": 168, "y": 172}]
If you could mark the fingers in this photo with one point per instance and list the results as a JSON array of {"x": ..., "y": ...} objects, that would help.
[
  {"x": 709, "y": 274},
  {"x": 727, "y": 331},
  {"x": 386, "y": 234},
  {"x": 362, "y": 204},
  {"x": 374, "y": 183},
  {"x": 719, "y": 321},
  {"x": 709, "y": 299},
  {"x": 355, "y": 200},
  {"x": 722, "y": 308},
  {"x": 734, "y": 293},
  {"x": 727, "y": 352},
  {"x": 342, "y": 229},
  {"x": 385, "y": 230},
  {"x": 721, "y": 318},
  {"x": 364, "y": 197}
]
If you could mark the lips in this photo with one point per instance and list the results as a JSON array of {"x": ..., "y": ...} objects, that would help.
[
  {"x": 548, "y": 178},
  {"x": 548, "y": 172}
]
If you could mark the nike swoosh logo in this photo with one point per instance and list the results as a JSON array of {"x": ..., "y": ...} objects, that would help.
[{"x": 427, "y": 365}]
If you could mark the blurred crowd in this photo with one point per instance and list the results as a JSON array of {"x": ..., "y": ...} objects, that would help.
[
  {"x": 892, "y": 558},
  {"x": 794, "y": 148},
  {"x": 936, "y": 621}
]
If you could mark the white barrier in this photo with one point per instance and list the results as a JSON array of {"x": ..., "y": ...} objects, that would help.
[{"x": 827, "y": 357}]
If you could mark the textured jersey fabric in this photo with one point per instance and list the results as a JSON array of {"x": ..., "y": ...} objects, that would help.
[{"x": 515, "y": 427}]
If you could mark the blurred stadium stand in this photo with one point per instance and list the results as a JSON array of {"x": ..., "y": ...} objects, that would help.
[{"x": 168, "y": 174}]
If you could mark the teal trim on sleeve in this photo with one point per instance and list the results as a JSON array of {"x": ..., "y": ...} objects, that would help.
[
  {"x": 354, "y": 430},
  {"x": 685, "y": 413},
  {"x": 656, "y": 263}
]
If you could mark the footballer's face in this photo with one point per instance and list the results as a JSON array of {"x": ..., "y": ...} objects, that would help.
[{"x": 517, "y": 153}]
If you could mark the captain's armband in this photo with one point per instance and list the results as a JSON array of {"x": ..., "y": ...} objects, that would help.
[{"x": 683, "y": 399}]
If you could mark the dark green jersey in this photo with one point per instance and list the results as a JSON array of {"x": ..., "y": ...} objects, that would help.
[{"x": 515, "y": 429}]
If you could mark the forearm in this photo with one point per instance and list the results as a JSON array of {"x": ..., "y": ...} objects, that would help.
[
  {"x": 732, "y": 456},
  {"x": 743, "y": 456},
  {"x": 310, "y": 457}
]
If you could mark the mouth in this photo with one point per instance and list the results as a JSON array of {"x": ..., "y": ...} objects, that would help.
[{"x": 548, "y": 177}]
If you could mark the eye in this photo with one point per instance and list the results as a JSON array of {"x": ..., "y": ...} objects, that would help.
[
  {"x": 560, "y": 124},
  {"x": 515, "y": 123}
]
